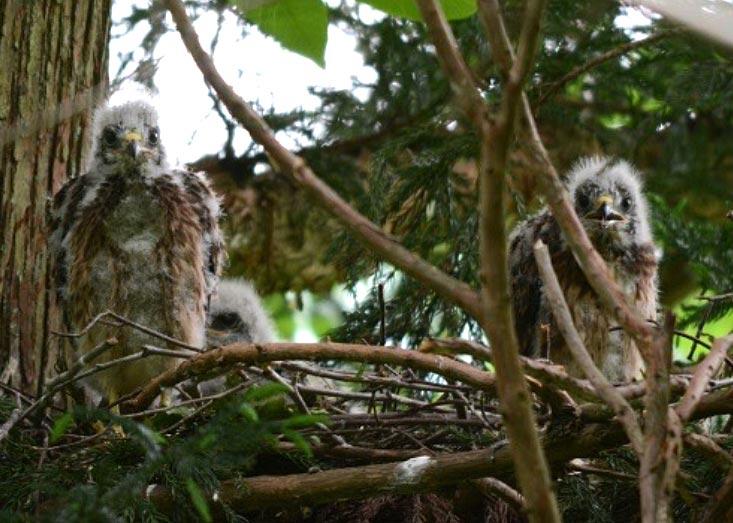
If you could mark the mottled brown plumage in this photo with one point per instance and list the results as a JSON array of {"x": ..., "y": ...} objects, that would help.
[
  {"x": 607, "y": 196},
  {"x": 139, "y": 238}
]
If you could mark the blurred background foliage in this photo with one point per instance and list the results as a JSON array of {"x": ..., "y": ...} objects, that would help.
[
  {"x": 405, "y": 158},
  {"x": 399, "y": 152}
]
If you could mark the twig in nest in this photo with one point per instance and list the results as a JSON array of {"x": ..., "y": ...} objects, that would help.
[
  {"x": 54, "y": 386},
  {"x": 499, "y": 489},
  {"x": 99, "y": 318}
]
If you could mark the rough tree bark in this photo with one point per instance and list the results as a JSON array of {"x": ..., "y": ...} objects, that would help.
[{"x": 53, "y": 64}]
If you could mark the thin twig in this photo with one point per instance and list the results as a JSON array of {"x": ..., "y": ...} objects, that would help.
[
  {"x": 382, "y": 315},
  {"x": 706, "y": 315},
  {"x": 54, "y": 386},
  {"x": 601, "y": 59},
  {"x": 704, "y": 372},
  {"x": 99, "y": 318},
  {"x": 494, "y": 487},
  {"x": 371, "y": 378}
]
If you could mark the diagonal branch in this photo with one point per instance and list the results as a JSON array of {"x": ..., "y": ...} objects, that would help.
[
  {"x": 496, "y": 320},
  {"x": 367, "y": 232},
  {"x": 467, "y": 95},
  {"x": 601, "y": 59},
  {"x": 625, "y": 414},
  {"x": 590, "y": 262}
]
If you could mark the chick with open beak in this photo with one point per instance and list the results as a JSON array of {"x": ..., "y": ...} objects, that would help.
[
  {"x": 607, "y": 196},
  {"x": 605, "y": 212}
]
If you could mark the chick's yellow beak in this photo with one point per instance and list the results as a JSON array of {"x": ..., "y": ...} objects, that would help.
[
  {"x": 132, "y": 140},
  {"x": 604, "y": 211}
]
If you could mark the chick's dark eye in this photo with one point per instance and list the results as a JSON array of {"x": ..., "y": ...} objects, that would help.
[
  {"x": 109, "y": 136},
  {"x": 583, "y": 200},
  {"x": 626, "y": 204},
  {"x": 153, "y": 136}
]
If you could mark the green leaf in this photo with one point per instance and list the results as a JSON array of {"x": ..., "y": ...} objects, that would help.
[
  {"x": 246, "y": 5},
  {"x": 302, "y": 421},
  {"x": 454, "y": 9},
  {"x": 300, "y": 26},
  {"x": 60, "y": 426},
  {"x": 199, "y": 500},
  {"x": 249, "y": 413},
  {"x": 299, "y": 441},
  {"x": 265, "y": 391}
]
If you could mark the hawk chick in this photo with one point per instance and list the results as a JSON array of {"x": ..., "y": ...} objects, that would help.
[
  {"x": 607, "y": 196},
  {"x": 136, "y": 237},
  {"x": 237, "y": 315}
]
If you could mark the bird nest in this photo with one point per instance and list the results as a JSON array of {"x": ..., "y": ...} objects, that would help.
[{"x": 324, "y": 422}]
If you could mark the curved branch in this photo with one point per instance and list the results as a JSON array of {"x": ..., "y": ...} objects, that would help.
[
  {"x": 266, "y": 352},
  {"x": 369, "y": 233}
]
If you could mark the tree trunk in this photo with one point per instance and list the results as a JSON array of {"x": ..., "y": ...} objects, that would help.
[{"x": 53, "y": 67}]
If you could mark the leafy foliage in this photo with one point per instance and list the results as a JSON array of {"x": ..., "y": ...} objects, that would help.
[
  {"x": 101, "y": 479},
  {"x": 399, "y": 152},
  {"x": 299, "y": 25}
]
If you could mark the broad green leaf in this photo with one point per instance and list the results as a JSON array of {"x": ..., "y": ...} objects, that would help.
[
  {"x": 246, "y": 5},
  {"x": 454, "y": 9},
  {"x": 199, "y": 500},
  {"x": 60, "y": 426},
  {"x": 300, "y": 26}
]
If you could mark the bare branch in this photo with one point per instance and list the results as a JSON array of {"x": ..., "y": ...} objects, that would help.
[
  {"x": 718, "y": 455},
  {"x": 659, "y": 460},
  {"x": 625, "y": 414},
  {"x": 369, "y": 233},
  {"x": 496, "y": 319},
  {"x": 467, "y": 95},
  {"x": 548, "y": 375},
  {"x": 499, "y": 489},
  {"x": 489, "y": 13},
  {"x": 704, "y": 372}
]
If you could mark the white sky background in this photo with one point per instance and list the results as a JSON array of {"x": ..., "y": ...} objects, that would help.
[{"x": 256, "y": 66}]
